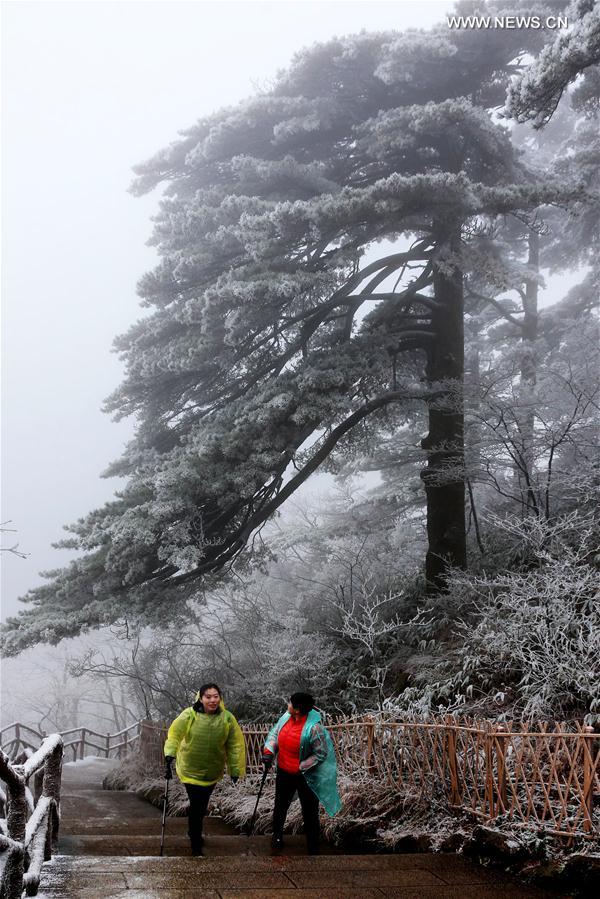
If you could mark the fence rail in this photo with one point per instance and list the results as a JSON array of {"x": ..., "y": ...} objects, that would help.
[
  {"x": 547, "y": 778},
  {"x": 30, "y": 829},
  {"x": 80, "y": 741}
]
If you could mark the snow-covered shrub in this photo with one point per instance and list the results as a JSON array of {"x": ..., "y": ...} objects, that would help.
[{"x": 527, "y": 641}]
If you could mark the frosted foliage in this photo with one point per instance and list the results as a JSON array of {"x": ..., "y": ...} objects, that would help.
[
  {"x": 407, "y": 54},
  {"x": 421, "y": 133},
  {"x": 579, "y": 158},
  {"x": 557, "y": 453},
  {"x": 293, "y": 658},
  {"x": 529, "y": 639},
  {"x": 368, "y": 620},
  {"x": 534, "y": 95}
]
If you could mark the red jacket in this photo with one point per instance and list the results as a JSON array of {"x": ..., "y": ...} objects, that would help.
[{"x": 288, "y": 744}]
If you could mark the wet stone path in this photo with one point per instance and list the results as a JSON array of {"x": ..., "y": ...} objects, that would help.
[{"x": 109, "y": 843}]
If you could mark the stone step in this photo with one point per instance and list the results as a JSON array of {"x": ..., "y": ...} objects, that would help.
[
  {"x": 79, "y": 804},
  {"x": 109, "y": 843},
  {"x": 139, "y": 824},
  {"x": 253, "y": 877},
  {"x": 176, "y": 845}
]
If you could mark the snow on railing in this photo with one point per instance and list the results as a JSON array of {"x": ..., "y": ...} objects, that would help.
[{"x": 30, "y": 830}]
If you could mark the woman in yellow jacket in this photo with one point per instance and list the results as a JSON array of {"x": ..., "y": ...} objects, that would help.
[{"x": 201, "y": 740}]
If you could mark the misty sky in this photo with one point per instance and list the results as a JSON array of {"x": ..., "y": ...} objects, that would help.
[{"x": 88, "y": 90}]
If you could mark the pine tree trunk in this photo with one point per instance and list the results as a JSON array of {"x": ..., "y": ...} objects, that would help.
[
  {"x": 528, "y": 380},
  {"x": 473, "y": 436},
  {"x": 444, "y": 476}
]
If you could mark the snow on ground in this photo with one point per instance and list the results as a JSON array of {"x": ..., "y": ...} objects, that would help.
[{"x": 88, "y": 760}]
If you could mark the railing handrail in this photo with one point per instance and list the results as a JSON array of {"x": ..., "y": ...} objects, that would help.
[
  {"x": 105, "y": 734},
  {"x": 77, "y": 739},
  {"x": 72, "y": 730},
  {"x": 17, "y": 725},
  {"x": 135, "y": 725},
  {"x": 481, "y": 727},
  {"x": 30, "y": 840}
]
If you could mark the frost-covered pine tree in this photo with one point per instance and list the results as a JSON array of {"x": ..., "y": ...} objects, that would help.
[
  {"x": 313, "y": 243},
  {"x": 535, "y": 93}
]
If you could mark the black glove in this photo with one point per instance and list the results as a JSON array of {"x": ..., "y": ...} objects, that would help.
[
  {"x": 169, "y": 759},
  {"x": 234, "y": 778},
  {"x": 267, "y": 760}
]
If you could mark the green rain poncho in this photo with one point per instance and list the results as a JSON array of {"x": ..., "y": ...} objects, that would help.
[
  {"x": 202, "y": 743},
  {"x": 317, "y": 759}
]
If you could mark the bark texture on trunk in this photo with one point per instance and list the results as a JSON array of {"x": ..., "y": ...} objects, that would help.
[
  {"x": 526, "y": 471},
  {"x": 444, "y": 476}
]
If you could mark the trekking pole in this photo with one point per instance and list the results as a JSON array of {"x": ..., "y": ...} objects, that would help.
[
  {"x": 164, "y": 817},
  {"x": 262, "y": 783}
]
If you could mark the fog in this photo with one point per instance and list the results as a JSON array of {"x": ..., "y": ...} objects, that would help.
[
  {"x": 90, "y": 89},
  {"x": 364, "y": 463}
]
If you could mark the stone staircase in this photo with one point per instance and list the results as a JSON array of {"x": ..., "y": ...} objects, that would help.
[{"x": 109, "y": 844}]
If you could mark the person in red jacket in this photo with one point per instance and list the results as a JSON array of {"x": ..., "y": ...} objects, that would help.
[{"x": 301, "y": 745}]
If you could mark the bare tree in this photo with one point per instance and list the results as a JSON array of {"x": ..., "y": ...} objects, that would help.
[{"x": 14, "y": 549}]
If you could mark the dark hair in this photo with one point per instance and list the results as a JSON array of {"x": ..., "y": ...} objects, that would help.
[{"x": 303, "y": 702}]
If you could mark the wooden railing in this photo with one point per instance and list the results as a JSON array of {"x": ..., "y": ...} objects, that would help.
[
  {"x": 547, "y": 778},
  {"x": 79, "y": 741},
  {"x": 29, "y": 830},
  {"x": 544, "y": 777}
]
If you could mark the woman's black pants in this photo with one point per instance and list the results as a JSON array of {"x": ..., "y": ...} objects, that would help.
[
  {"x": 199, "y": 797},
  {"x": 286, "y": 786}
]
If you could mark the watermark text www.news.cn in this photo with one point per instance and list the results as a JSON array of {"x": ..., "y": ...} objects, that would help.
[{"x": 508, "y": 22}]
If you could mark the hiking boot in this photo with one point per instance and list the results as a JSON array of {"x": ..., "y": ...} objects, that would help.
[
  {"x": 276, "y": 843},
  {"x": 197, "y": 845}
]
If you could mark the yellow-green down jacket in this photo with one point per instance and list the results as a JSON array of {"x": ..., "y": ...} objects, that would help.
[{"x": 202, "y": 743}]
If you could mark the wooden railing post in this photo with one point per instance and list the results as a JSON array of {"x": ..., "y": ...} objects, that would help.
[
  {"x": 143, "y": 747},
  {"x": 16, "y": 818},
  {"x": 107, "y": 745},
  {"x": 82, "y": 744},
  {"x": 501, "y": 739},
  {"x": 38, "y": 784},
  {"x": 455, "y": 791},
  {"x": 588, "y": 777},
  {"x": 370, "y": 744},
  {"x": 51, "y": 788},
  {"x": 489, "y": 771}
]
